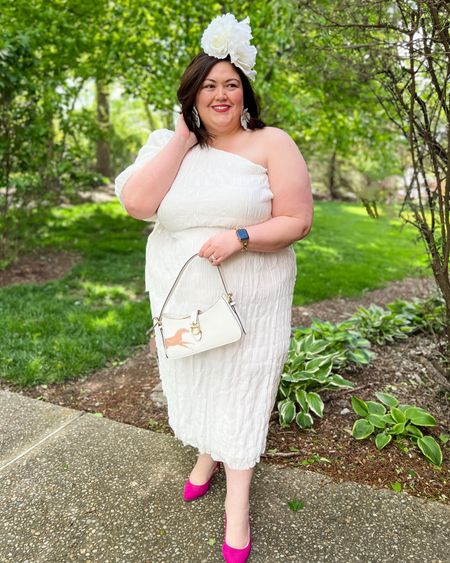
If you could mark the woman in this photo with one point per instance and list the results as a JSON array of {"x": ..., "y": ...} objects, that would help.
[{"x": 222, "y": 171}]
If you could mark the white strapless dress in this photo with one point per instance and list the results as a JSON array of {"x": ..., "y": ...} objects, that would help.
[{"x": 219, "y": 401}]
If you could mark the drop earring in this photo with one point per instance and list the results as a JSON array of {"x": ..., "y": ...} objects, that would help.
[
  {"x": 245, "y": 118},
  {"x": 196, "y": 117}
]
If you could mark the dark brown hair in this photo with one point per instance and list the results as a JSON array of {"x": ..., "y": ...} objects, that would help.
[{"x": 190, "y": 83}]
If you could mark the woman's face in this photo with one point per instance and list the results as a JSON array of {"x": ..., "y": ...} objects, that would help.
[{"x": 220, "y": 98}]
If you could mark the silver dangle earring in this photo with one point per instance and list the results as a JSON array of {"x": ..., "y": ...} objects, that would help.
[
  {"x": 196, "y": 117},
  {"x": 245, "y": 118}
]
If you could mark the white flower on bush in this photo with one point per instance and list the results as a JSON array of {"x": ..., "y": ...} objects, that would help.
[{"x": 226, "y": 36}]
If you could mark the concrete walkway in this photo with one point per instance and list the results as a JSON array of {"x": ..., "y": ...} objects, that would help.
[{"x": 75, "y": 487}]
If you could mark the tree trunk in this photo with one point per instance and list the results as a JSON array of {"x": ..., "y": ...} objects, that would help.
[
  {"x": 371, "y": 207},
  {"x": 103, "y": 164},
  {"x": 443, "y": 283},
  {"x": 50, "y": 181},
  {"x": 375, "y": 209},
  {"x": 150, "y": 118},
  {"x": 332, "y": 188}
]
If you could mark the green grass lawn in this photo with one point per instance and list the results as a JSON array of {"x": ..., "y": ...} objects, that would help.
[
  {"x": 348, "y": 253},
  {"x": 99, "y": 311}
]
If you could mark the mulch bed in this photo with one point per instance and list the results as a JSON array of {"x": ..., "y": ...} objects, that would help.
[
  {"x": 411, "y": 370},
  {"x": 39, "y": 266},
  {"x": 407, "y": 370}
]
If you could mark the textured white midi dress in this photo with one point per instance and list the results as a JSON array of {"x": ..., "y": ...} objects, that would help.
[{"x": 219, "y": 401}]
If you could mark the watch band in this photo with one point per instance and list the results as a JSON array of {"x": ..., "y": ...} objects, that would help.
[{"x": 242, "y": 235}]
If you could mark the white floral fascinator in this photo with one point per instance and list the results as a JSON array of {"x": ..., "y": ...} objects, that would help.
[{"x": 226, "y": 36}]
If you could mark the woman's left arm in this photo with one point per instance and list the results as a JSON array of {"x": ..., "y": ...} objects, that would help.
[{"x": 292, "y": 204}]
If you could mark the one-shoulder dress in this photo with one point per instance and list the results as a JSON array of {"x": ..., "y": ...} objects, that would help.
[{"x": 219, "y": 401}]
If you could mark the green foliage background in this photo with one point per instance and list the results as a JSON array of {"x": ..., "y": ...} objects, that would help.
[{"x": 51, "y": 53}]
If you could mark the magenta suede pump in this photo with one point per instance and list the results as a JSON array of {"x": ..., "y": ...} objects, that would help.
[
  {"x": 234, "y": 554},
  {"x": 192, "y": 491}
]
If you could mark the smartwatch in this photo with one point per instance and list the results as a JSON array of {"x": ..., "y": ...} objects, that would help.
[{"x": 242, "y": 235}]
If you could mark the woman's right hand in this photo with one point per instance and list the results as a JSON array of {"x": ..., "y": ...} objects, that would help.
[{"x": 183, "y": 131}]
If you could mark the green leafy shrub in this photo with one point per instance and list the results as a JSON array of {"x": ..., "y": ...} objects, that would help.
[
  {"x": 427, "y": 315},
  {"x": 318, "y": 352},
  {"x": 388, "y": 420},
  {"x": 308, "y": 371},
  {"x": 344, "y": 339},
  {"x": 399, "y": 320},
  {"x": 381, "y": 326}
]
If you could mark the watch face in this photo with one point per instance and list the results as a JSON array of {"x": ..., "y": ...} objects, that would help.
[{"x": 242, "y": 234}]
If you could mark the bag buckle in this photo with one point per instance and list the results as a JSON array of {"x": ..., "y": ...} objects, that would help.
[
  {"x": 195, "y": 325},
  {"x": 230, "y": 298}
]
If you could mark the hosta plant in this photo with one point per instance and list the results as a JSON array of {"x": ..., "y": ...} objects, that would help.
[
  {"x": 401, "y": 319},
  {"x": 381, "y": 326},
  {"x": 307, "y": 371},
  {"x": 387, "y": 420},
  {"x": 318, "y": 352},
  {"x": 343, "y": 338},
  {"x": 427, "y": 314}
]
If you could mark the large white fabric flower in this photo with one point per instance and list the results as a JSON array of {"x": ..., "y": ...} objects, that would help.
[{"x": 226, "y": 36}]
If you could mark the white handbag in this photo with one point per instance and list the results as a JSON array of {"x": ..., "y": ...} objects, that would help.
[{"x": 200, "y": 330}]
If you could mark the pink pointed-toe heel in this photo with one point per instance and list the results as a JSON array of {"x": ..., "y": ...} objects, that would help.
[
  {"x": 234, "y": 554},
  {"x": 192, "y": 491}
]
